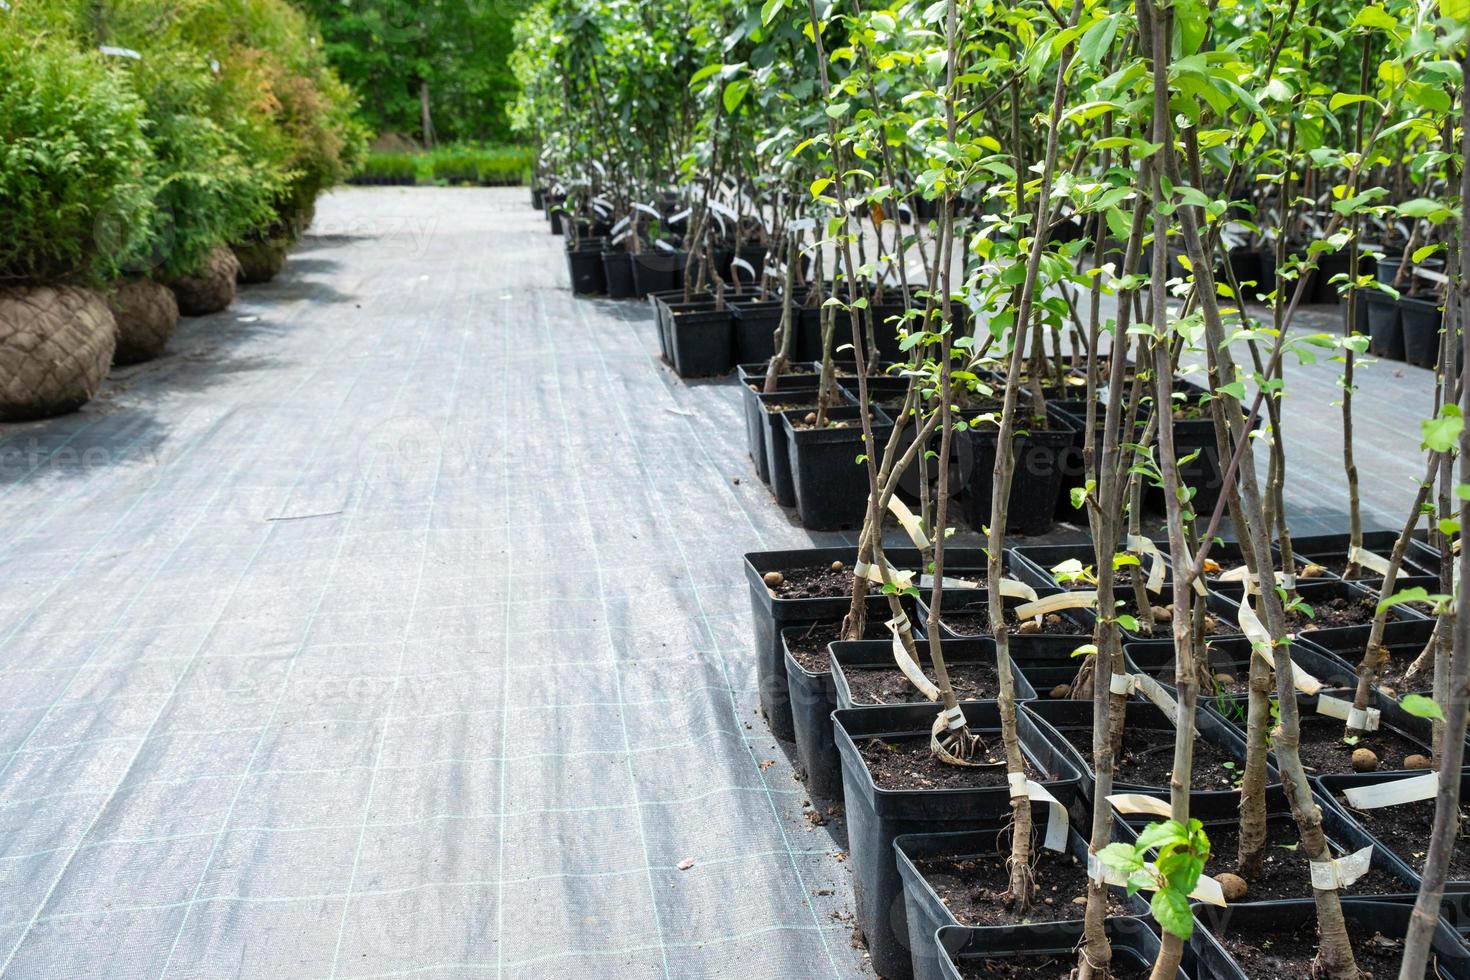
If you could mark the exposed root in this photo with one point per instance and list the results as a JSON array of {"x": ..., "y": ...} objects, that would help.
[
  {"x": 1021, "y": 895},
  {"x": 958, "y": 746}
]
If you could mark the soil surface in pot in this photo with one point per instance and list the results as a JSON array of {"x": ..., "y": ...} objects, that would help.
[
  {"x": 1393, "y": 825},
  {"x": 975, "y": 621},
  {"x": 1122, "y": 580},
  {"x": 1215, "y": 624},
  {"x": 885, "y": 685},
  {"x": 1283, "y": 952},
  {"x": 810, "y": 646},
  {"x": 815, "y": 582},
  {"x": 1148, "y": 758},
  {"x": 1394, "y": 677},
  {"x": 810, "y": 422},
  {"x": 907, "y": 763},
  {"x": 1040, "y": 968},
  {"x": 974, "y": 888},
  {"x": 796, "y": 404},
  {"x": 1285, "y": 874},
  {"x": 1328, "y": 613},
  {"x": 1324, "y": 752}
]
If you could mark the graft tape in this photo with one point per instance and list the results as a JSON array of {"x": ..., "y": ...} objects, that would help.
[
  {"x": 1056, "y": 817},
  {"x": 874, "y": 574},
  {"x": 1139, "y": 803},
  {"x": 909, "y": 521},
  {"x": 1143, "y": 547},
  {"x": 1363, "y": 720},
  {"x": 1392, "y": 793},
  {"x": 1367, "y": 559},
  {"x": 1341, "y": 872},
  {"x": 898, "y": 625},
  {"x": 1078, "y": 599}
]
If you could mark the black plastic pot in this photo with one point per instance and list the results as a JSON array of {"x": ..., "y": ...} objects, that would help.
[
  {"x": 1358, "y": 835},
  {"x": 959, "y": 601},
  {"x": 809, "y": 334},
  {"x": 1364, "y": 917},
  {"x": 876, "y": 816},
  {"x": 926, "y": 913},
  {"x": 538, "y": 195},
  {"x": 1387, "y": 268},
  {"x": 755, "y": 324},
  {"x": 878, "y": 655},
  {"x": 617, "y": 269},
  {"x": 1333, "y": 548},
  {"x": 1404, "y": 639},
  {"x": 831, "y": 486},
  {"x": 1347, "y": 642},
  {"x": 1385, "y": 327},
  {"x": 770, "y": 615},
  {"x": 755, "y": 416},
  {"x": 1056, "y": 717},
  {"x": 654, "y": 271},
  {"x": 1421, "y": 320},
  {"x": 813, "y": 699},
  {"x": 585, "y": 267},
  {"x": 1035, "y": 484},
  {"x": 778, "y": 459},
  {"x": 1232, "y": 655},
  {"x": 702, "y": 341},
  {"x": 1134, "y": 943},
  {"x": 752, "y": 255}
]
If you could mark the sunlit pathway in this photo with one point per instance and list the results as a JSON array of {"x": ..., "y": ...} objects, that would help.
[{"x": 394, "y": 625}]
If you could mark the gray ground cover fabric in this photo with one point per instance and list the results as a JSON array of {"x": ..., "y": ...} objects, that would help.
[{"x": 394, "y": 625}]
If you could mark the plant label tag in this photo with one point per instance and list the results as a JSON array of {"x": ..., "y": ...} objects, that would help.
[
  {"x": 1392, "y": 793},
  {"x": 621, "y": 225},
  {"x": 113, "y": 52},
  {"x": 1078, "y": 599},
  {"x": 739, "y": 263},
  {"x": 1332, "y": 707},
  {"x": 678, "y": 216},
  {"x": 1367, "y": 559},
  {"x": 664, "y": 246},
  {"x": 1341, "y": 872},
  {"x": 898, "y": 626},
  {"x": 651, "y": 212},
  {"x": 1145, "y": 548}
]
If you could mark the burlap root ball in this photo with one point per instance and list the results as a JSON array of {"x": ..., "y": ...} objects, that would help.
[
  {"x": 212, "y": 288},
  {"x": 261, "y": 261},
  {"x": 56, "y": 346},
  {"x": 146, "y": 314}
]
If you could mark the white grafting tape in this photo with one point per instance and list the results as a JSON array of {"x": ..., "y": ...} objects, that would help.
[
  {"x": 1143, "y": 547},
  {"x": 1120, "y": 684},
  {"x": 1341, "y": 872},
  {"x": 1367, "y": 559},
  {"x": 908, "y": 520},
  {"x": 1056, "y": 814},
  {"x": 954, "y": 718},
  {"x": 1139, "y": 803},
  {"x": 1078, "y": 599},
  {"x": 1013, "y": 589},
  {"x": 1366, "y": 721},
  {"x": 1393, "y": 792},
  {"x": 911, "y": 670}
]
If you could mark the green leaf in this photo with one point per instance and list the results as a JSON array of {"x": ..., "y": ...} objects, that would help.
[
  {"x": 770, "y": 9},
  {"x": 735, "y": 93},
  {"x": 1421, "y": 707},
  {"x": 1171, "y": 911},
  {"x": 1120, "y": 857},
  {"x": 1079, "y": 497},
  {"x": 1160, "y": 833},
  {"x": 1375, "y": 17},
  {"x": 1416, "y": 594},
  {"x": 1097, "y": 40},
  {"x": 838, "y": 110},
  {"x": 1343, "y": 98},
  {"x": 1129, "y": 623},
  {"x": 1085, "y": 650},
  {"x": 1441, "y": 434},
  {"x": 819, "y": 185}
]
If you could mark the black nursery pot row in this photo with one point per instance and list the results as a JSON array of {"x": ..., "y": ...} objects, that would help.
[
  {"x": 892, "y": 832},
  {"x": 1404, "y": 329}
]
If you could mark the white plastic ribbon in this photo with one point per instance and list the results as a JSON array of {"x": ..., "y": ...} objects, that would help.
[
  {"x": 873, "y": 574},
  {"x": 679, "y": 215},
  {"x": 739, "y": 263},
  {"x": 116, "y": 52},
  {"x": 1056, "y": 818},
  {"x": 1144, "y": 548},
  {"x": 1206, "y": 890},
  {"x": 906, "y": 663},
  {"x": 1076, "y": 599},
  {"x": 1366, "y": 720},
  {"x": 1140, "y": 803},
  {"x": 622, "y": 224},
  {"x": 1393, "y": 792},
  {"x": 1013, "y": 589},
  {"x": 1368, "y": 560},
  {"x": 651, "y": 212},
  {"x": 908, "y": 520},
  {"x": 1341, "y": 872}
]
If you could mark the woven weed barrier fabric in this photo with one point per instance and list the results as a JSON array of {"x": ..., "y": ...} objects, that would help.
[{"x": 393, "y": 625}]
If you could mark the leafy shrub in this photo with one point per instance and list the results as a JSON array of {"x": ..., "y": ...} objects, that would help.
[
  {"x": 73, "y": 163},
  {"x": 389, "y": 166}
]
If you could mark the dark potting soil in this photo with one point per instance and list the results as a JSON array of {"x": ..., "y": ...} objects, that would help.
[
  {"x": 1148, "y": 758},
  {"x": 975, "y": 621},
  {"x": 1282, "y": 952},
  {"x": 810, "y": 422},
  {"x": 810, "y": 404},
  {"x": 1285, "y": 873},
  {"x": 814, "y": 582},
  {"x": 810, "y": 646},
  {"x": 1215, "y": 625},
  {"x": 888, "y": 685},
  {"x": 907, "y": 763},
  {"x": 1040, "y": 968},
  {"x": 1324, "y": 752},
  {"x": 1336, "y": 611},
  {"x": 973, "y": 889},
  {"x": 1393, "y": 675},
  {"x": 1393, "y": 825}
]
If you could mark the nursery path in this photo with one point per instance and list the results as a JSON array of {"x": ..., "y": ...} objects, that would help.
[{"x": 393, "y": 625}]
